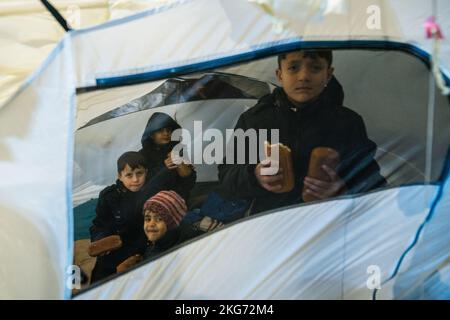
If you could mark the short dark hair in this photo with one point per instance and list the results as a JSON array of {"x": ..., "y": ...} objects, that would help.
[
  {"x": 133, "y": 159},
  {"x": 313, "y": 54}
]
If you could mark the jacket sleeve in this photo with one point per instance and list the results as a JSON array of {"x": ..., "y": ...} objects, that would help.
[
  {"x": 167, "y": 179},
  {"x": 239, "y": 180},
  {"x": 183, "y": 186},
  {"x": 359, "y": 169},
  {"x": 103, "y": 223},
  {"x": 163, "y": 180}
]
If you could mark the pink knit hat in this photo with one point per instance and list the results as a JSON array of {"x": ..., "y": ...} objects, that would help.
[{"x": 169, "y": 205}]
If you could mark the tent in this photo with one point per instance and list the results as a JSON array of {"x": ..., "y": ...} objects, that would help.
[
  {"x": 386, "y": 244},
  {"x": 29, "y": 32}
]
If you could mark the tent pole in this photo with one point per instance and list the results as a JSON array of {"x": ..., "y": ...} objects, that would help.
[
  {"x": 56, "y": 15},
  {"x": 430, "y": 126}
]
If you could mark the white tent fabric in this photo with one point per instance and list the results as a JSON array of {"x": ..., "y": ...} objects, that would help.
[
  {"x": 425, "y": 274},
  {"x": 28, "y": 32},
  {"x": 235, "y": 32},
  {"x": 281, "y": 256},
  {"x": 35, "y": 196},
  {"x": 324, "y": 248}
]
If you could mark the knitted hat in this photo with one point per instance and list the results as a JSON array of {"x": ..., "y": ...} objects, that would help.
[{"x": 169, "y": 205}]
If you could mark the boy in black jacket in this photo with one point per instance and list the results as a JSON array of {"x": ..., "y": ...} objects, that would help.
[
  {"x": 308, "y": 112},
  {"x": 119, "y": 209}
]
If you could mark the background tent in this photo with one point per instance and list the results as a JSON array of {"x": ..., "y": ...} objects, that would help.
[
  {"x": 28, "y": 32},
  {"x": 322, "y": 250}
]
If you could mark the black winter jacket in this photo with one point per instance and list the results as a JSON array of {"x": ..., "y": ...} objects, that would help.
[
  {"x": 323, "y": 122},
  {"x": 119, "y": 212},
  {"x": 172, "y": 238}
]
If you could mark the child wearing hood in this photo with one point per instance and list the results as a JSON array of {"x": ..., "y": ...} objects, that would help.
[{"x": 156, "y": 147}]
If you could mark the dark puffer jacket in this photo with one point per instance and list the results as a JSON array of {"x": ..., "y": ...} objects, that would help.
[{"x": 323, "y": 122}]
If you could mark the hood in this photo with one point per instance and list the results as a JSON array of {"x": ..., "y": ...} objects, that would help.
[
  {"x": 157, "y": 121},
  {"x": 333, "y": 94}
]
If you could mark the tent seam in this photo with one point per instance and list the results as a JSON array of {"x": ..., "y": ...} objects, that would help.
[{"x": 260, "y": 51}]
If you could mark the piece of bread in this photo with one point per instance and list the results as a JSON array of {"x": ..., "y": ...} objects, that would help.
[
  {"x": 128, "y": 263},
  {"x": 320, "y": 156},
  {"x": 106, "y": 244},
  {"x": 285, "y": 162}
]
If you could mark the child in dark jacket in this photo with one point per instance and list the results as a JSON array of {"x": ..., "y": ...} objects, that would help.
[
  {"x": 308, "y": 112},
  {"x": 157, "y": 145},
  {"x": 162, "y": 216},
  {"x": 119, "y": 210}
]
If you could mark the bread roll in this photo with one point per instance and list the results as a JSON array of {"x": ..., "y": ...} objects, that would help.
[
  {"x": 128, "y": 263},
  {"x": 320, "y": 156},
  {"x": 285, "y": 162},
  {"x": 106, "y": 244}
]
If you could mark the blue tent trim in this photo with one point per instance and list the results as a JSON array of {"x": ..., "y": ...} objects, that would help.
[{"x": 262, "y": 51}]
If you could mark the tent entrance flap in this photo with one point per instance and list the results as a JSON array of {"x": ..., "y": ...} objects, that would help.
[{"x": 407, "y": 120}]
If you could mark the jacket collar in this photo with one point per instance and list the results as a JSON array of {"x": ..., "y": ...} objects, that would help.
[
  {"x": 121, "y": 189},
  {"x": 331, "y": 97},
  {"x": 168, "y": 240}
]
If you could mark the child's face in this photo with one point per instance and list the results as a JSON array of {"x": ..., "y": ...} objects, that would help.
[
  {"x": 133, "y": 179},
  {"x": 303, "y": 78},
  {"x": 162, "y": 136},
  {"x": 154, "y": 226}
]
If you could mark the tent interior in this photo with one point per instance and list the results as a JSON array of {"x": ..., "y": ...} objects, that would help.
[{"x": 392, "y": 90}]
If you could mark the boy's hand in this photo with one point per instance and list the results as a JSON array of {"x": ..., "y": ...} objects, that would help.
[
  {"x": 325, "y": 189},
  {"x": 169, "y": 163},
  {"x": 271, "y": 183}
]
